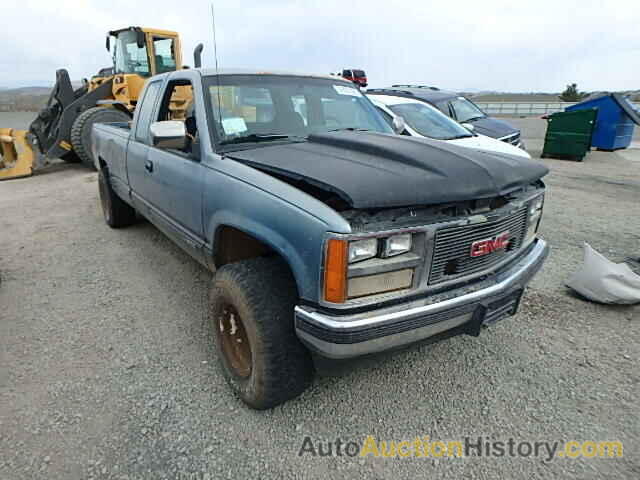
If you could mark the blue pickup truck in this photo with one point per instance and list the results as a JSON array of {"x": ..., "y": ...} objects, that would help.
[{"x": 328, "y": 235}]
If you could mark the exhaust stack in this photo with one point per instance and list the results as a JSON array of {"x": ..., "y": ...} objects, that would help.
[{"x": 197, "y": 55}]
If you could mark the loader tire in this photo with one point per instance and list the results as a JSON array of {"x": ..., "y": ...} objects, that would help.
[
  {"x": 81, "y": 130},
  {"x": 251, "y": 314},
  {"x": 71, "y": 157},
  {"x": 117, "y": 213}
]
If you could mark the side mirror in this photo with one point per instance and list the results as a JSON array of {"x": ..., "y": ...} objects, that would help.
[
  {"x": 169, "y": 134},
  {"x": 399, "y": 125},
  {"x": 468, "y": 126},
  {"x": 108, "y": 43},
  {"x": 140, "y": 40}
]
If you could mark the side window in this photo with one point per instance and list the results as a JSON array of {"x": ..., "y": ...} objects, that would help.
[
  {"x": 465, "y": 110},
  {"x": 165, "y": 58},
  {"x": 177, "y": 104},
  {"x": 146, "y": 110}
]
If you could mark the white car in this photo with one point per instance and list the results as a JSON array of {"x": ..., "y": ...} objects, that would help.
[{"x": 423, "y": 120}]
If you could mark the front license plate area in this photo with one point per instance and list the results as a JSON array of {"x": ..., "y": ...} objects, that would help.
[
  {"x": 492, "y": 312},
  {"x": 502, "y": 308}
]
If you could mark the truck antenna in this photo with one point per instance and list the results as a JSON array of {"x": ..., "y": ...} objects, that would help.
[{"x": 215, "y": 55}]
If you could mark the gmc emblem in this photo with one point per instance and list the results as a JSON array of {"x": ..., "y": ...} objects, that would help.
[{"x": 489, "y": 245}]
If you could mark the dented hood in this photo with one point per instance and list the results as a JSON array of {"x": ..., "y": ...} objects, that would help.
[{"x": 376, "y": 170}]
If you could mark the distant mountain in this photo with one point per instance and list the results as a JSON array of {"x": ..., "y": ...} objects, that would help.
[
  {"x": 27, "y": 91},
  {"x": 634, "y": 95},
  {"x": 24, "y": 99}
]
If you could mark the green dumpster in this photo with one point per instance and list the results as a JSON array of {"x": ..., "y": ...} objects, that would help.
[{"x": 569, "y": 134}]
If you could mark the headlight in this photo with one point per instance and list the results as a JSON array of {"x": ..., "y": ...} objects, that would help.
[
  {"x": 535, "y": 212},
  {"x": 396, "y": 245},
  {"x": 362, "y": 249},
  {"x": 345, "y": 278},
  {"x": 536, "y": 206}
]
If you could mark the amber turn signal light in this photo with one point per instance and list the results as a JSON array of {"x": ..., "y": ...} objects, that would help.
[{"x": 335, "y": 271}]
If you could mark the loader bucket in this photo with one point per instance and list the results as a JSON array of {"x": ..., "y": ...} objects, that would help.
[{"x": 16, "y": 154}]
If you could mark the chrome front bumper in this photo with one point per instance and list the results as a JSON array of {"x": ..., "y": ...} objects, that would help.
[{"x": 351, "y": 335}]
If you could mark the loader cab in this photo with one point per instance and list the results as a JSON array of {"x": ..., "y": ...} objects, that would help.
[{"x": 144, "y": 52}]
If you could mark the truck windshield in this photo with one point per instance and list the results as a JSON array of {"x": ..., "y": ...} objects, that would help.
[
  {"x": 276, "y": 107},
  {"x": 128, "y": 57},
  {"x": 429, "y": 122}
]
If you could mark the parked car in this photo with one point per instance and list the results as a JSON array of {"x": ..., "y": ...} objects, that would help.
[
  {"x": 359, "y": 77},
  {"x": 328, "y": 234},
  {"x": 426, "y": 121},
  {"x": 460, "y": 109}
]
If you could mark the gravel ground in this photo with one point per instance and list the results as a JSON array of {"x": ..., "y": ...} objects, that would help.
[{"x": 107, "y": 368}]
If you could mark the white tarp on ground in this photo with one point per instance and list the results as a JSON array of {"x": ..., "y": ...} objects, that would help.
[{"x": 603, "y": 281}]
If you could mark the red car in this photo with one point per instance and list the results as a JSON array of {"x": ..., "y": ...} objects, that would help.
[{"x": 356, "y": 76}]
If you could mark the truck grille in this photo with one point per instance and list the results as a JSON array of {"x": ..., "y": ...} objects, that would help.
[{"x": 452, "y": 249}]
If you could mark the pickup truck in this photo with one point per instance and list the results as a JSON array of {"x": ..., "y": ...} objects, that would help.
[{"x": 329, "y": 236}]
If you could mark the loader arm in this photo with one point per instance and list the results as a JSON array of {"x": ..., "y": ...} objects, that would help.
[
  {"x": 44, "y": 127},
  {"x": 52, "y": 127}
]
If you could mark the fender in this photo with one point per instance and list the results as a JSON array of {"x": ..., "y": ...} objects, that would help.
[{"x": 304, "y": 272}]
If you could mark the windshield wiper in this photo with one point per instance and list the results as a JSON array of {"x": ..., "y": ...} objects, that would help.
[
  {"x": 467, "y": 135},
  {"x": 257, "y": 137},
  {"x": 350, "y": 129}
]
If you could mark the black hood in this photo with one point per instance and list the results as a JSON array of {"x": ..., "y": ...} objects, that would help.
[
  {"x": 492, "y": 127},
  {"x": 376, "y": 170}
]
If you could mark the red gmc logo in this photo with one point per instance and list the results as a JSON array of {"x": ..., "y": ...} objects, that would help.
[{"x": 485, "y": 247}]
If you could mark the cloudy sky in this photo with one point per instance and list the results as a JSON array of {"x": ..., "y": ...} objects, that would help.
[{"x": 500, "y": 45}]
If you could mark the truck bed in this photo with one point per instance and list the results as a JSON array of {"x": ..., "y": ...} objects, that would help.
[{"x": 111, "y": 139}]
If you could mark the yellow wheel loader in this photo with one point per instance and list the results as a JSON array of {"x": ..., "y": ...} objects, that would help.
[{"x": 63, "y": 128}]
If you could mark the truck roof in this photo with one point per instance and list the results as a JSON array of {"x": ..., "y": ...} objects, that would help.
[{"x": 240, "y": 71}]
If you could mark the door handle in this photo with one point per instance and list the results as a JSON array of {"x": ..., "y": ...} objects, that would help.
[{"x": 148, "y": 166}]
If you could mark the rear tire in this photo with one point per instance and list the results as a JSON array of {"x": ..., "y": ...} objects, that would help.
[
  {"x": 81, "y": 130},
  {"x": 117, "y": 213},
  {"x": 251, "y": 310}
]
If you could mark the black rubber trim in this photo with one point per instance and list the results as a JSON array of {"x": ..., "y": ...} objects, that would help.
[{"x": 481, "y": 309}]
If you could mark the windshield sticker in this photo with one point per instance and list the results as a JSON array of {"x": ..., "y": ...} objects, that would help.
[
  {"x": 233, "y": 125},
  {"x": 344, "y": 90}
]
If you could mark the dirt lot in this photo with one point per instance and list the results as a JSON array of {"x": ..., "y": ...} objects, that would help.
[{"x": 107, "y": 368}]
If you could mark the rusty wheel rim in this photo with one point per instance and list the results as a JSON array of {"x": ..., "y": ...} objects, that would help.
[{"x": 234, "y": 341}]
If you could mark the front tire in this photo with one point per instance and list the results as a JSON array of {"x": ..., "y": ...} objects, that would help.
[
  {"x": 251, "y": 310},
  {"x": 117, "y": 213},
  {"x": 81, "y": 130}
]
